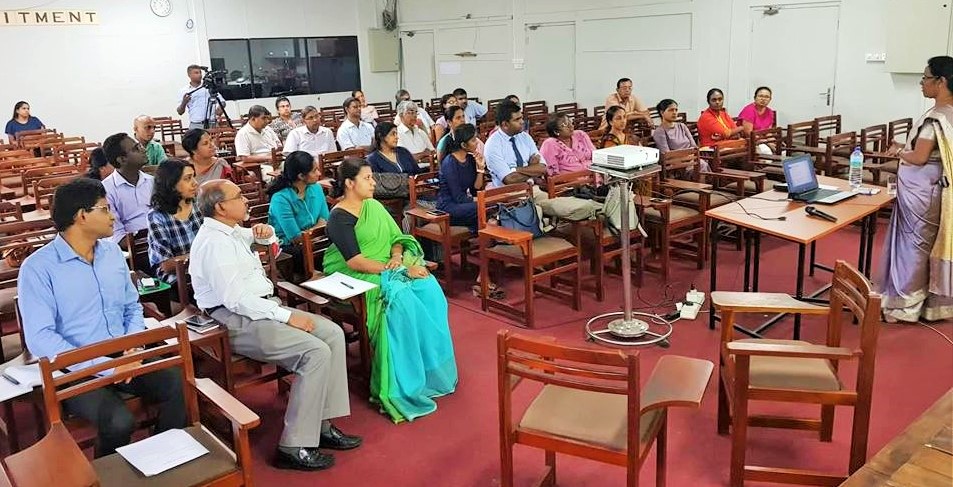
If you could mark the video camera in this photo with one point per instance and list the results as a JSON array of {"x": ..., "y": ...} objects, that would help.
[{"x": 213, "y": 80}]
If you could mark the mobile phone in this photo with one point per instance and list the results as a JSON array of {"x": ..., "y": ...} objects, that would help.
[
  {"x": 436, "y": 212},
  {"x": 198, "y": 321},
  {"x": 657, "y": 200}
]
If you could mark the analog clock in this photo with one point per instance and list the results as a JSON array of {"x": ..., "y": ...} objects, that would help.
[{"x": 162, "y": 8}]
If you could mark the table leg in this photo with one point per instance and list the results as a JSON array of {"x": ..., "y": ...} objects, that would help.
[
  {"x": 862, "y": 252},
  {"x": 713, "y": 266},
  {"x": 747, "y": 238},
  {"x": 813, "y": 255},
  {"x": 800, "y": 284},
  {"x": 757, "y": 260},
  {"x": 871, "y": 230}
]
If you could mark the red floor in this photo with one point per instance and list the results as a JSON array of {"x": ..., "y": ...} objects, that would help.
[{"x": 458, "y": 444}]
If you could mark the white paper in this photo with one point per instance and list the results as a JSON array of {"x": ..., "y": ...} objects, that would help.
[
  {"x": 9, "y": 390},
  {"x": 450, "y": 67},
  {"x": 27, "y": 375},
  {"x": 152, "y": 323},
  {"x": 339, "y": 285},
  {"x": 162, "y": 452}
]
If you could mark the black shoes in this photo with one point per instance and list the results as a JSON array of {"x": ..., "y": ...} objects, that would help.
[
  {"x": 304, "y": 459},
  {"x": 335, "y": 439}
]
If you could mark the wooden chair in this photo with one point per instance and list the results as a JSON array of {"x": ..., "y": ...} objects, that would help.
[
  {"x": 76, "y": 153},
  {"x": 676, "y": 228},
  {"x": 603, "y": 245},
  {"x": 837, "y": 149},
  {"x": 541, "y": 259},
  {"x": 221, "y": 466},
  {"x": 599, "y": 111},
  {"x": 768, "y": 163},
  {"x": 591, "y": 404},
  {"x": 10, "y": 212},
  {"x": 730, "y": 169},
  {"x": 800, "y": 135},
  {"x": 330, "y": 161},
  {"x": 452, "y": 239},
  {"x": 565, "y": 107},
  {"x": 586, "y": 124},
  {"x": 875, "y": 141},
  {"x": 794, "y": 371},
  {"x": 828, "y": 125},
  {"x": 898, "y": 130},
  {"x": 535, "y": 108}
]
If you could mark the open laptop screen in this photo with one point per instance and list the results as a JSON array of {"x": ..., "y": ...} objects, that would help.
[{"x": 799, "y": 174}]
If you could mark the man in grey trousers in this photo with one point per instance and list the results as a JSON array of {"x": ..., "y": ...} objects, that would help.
[{"x": 231, "y": 286}]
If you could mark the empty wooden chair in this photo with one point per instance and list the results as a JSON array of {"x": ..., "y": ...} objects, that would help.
[
  {"x": 874, "y": 142},
  {"x": 220, "y": 467},
  {"x": 828, "y": 125},
  {"x": 898, "y": 130},
  {"x": 591, "y": 404},
  {"x": 452, "y": 239},
  {"x": 794, "y": 371}
]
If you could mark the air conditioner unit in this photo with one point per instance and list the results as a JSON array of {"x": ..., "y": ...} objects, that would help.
[{"x": 626, "y": 157}]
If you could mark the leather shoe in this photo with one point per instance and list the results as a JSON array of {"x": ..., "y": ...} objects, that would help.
[
  {"x": 304, "y": 459},
  {"x": 335, "y": 439}
]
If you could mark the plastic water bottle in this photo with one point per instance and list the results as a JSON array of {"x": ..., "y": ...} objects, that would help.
[{"x": 856, "y": 176}]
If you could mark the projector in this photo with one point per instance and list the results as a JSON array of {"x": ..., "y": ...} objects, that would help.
[{"x": 625, "y": 157}]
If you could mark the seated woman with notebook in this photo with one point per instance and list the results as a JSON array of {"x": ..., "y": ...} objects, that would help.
[{"x": 407, "y": 314}]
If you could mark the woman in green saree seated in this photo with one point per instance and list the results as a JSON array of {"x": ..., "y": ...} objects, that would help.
[{"x": 407, "y": 313}]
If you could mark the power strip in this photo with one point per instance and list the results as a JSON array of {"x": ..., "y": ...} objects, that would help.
[{"x": 688, "y": 310}]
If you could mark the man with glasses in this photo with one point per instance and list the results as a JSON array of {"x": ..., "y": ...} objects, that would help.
[
  {"x": 128, "y": 189},
  {"x": 144, "y": 129},
  {"x": 409, "y": 135},
  {"x": 354, "y": 132},
  {"x": 633, "y": 106},
  {"x": 231, "y": 286},
  {"x": 311, "y": 137},
  {"x": 75, "y": 291}
]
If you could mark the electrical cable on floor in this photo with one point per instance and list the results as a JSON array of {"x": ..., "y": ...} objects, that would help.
[{"x": 938, "y": 332}]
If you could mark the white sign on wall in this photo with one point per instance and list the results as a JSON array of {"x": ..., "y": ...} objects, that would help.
[{"x": 48, "y": 17}]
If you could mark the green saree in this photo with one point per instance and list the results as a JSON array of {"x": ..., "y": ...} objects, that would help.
[{"x": 406, "y": 320}]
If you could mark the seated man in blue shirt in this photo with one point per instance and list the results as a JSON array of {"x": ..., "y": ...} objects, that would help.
[
  {"x": 76, "y": 291},
  {"x": 472, "y": 110},
  {"x": 511, "y": 154}
]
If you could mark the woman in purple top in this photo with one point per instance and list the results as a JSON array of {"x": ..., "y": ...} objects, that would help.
[
  {"x": 22, "y": 120},
  {"x": 757, "y": 116},
  {"x": 671, "y": 134},
  {"x": 565, "y": 150}
]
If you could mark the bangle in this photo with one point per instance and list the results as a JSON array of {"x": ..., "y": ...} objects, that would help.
[{"x": 481, "y": 171}]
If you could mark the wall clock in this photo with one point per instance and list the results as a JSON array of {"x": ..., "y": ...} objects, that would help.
[{"x": 162, "y": 8}]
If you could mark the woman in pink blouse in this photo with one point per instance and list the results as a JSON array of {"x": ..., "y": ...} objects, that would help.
[
  {"x": 565, "y": 150},
  {"x": 757, "y": 116}
]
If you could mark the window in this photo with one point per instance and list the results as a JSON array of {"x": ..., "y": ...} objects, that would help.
[{"x": 263, "y": 68}]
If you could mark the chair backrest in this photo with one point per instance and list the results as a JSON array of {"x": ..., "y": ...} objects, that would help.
[
  {"x": 383, "y": 105},
  {"x": 562, "y": 184},
  {"x": 16, "y": 154},
  {"x": 599, "y": 111},
  {"x": 535, "y": 108},
  {"x": 829, "y": 124},
  {"x": 874, "y": 138},
  {"x": 801, "y": 133},
  {"x": 565, "y": 107},
  {"x": 730, "y": 151},
  {"x": 423, "y": 184},
  {"x": 169, "y": 128},
  {"x": 10, "y": 211},
  {"x": 693, "y": 129},
  {"x": 162, "y": 356},
  {"x": 586, "y": 123},
  {"x": 137, "y": 244},
  {"x": 76, "y": 153},
  {"x": 43, "y": 189},
  {"x": 838, "y": 143},
  {"x": 330, "y": 161},
  {"x": 677, "y": 163},
  {"x": 332, "y": 114},
  {"x": 31, "y": 467},
  {"x": 257, "y": 214},
  {"x": 488, "y": 199},
  {"x": 32, "y": 175},
  {"x": 314, "y": 242},
  {"x": 252, "y": 192},
  {"x": 899, "y": 129},
  {"x": 38, "y": 140},
  {"x": 770, "y": 137},
  {"x": 852, "y": 291}
]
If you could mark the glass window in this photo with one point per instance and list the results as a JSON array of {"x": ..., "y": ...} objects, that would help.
[
  {"x": 334, "y": 64},
  {"x": 231, "y": 56},
  {"x": 280, "y": 67}
]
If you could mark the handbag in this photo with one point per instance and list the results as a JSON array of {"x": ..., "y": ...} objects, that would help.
[
  {"x": 391, "y": 185},
  {"x": 521, "y": 216}
]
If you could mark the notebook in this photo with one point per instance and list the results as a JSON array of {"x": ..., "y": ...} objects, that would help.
[
  {"x": 340, "y": 286},
  {"x": 28, "y": 377}
]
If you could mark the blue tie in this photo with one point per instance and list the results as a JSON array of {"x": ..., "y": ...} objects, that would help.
[{"x": 519, "y": 159}]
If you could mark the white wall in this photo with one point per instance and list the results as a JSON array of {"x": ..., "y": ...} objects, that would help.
[
  {"x": 670, "y": 48},
  {"x": 93, "y": 80}
]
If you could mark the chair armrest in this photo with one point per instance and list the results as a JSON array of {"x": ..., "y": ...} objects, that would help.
[
  {"x": 302, "y": 293},
  {"x": 798, "y": 351},
  {"x": 741, "y": 302},
  {"x": 678, "y": 184},
  {"x": 422, "y": 214},
  {"x": 231, "y": 408},
  {"x": 676, "y": 381},
  {"x": 507, "y": 235}
]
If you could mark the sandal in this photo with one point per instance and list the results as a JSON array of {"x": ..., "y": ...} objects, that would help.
[{"x": 495, "y": 292}]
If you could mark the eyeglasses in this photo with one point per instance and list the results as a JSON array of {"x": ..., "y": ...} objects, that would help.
[
  {"x": 242, "y": 196},
  {"x": 924, "y": 78},
  {"x": 149, "y": 127},
  {"x": 103, "y": 208}
]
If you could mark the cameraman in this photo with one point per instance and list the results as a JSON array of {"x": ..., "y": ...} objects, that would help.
[{"x": 195, "y": 97}]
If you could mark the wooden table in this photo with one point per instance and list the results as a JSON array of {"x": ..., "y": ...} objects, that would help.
[
  {"x": 907, "y": 461},
  {"x": 773, "y": 214}
]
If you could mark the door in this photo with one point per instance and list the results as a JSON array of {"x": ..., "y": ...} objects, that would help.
[
  {"x": 551, "y": 63},
  {"x": 417, "y": 64},
  {"x": 794, "y": 52}
]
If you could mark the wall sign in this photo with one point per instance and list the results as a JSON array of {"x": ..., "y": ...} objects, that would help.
[{"x": 48, "y": 17}]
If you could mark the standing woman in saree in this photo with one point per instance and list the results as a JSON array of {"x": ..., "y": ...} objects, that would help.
[
  {"x": 413, "y": 358},
  {"x": 916, "y": 277}
]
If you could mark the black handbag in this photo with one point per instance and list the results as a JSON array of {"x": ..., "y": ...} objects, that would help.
[{"x": 391, "y": 185}]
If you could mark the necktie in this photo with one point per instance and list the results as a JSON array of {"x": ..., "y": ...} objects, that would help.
[{"x": 519, "y": 159}]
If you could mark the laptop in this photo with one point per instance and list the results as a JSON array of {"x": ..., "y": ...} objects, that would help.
[{"x": 802, "y": 183}]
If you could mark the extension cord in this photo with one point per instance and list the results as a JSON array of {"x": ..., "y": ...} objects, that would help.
[{"x": 694, "y": 299}]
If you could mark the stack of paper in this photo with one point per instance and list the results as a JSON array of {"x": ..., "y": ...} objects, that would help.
[
  {"x": 28, "y": 377},
  {"x": 162, "y": 452},
  {"x": 340, "y": 286}
]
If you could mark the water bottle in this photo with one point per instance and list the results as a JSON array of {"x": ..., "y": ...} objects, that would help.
[{"x": 856, "y": 176}]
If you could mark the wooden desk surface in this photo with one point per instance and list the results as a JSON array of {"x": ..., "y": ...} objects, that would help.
[
  {"x": 906, "y": 461},
  {"x": 798, "y": 226}
]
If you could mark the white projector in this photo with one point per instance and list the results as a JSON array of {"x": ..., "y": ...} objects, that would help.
[{"x": 625, "y": 157}]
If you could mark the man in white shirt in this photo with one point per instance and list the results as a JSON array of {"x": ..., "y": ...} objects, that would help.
[
  {"x": 310, "y": 137},
  {"x": 255, "y": 140},
  {"x": 353, "y": 131},
  {"x": 231, "y": 286},
  {"x": 423, "y": 118},
  {"x": 409, "y": 135},
  {"x": 194, "y": 97}
]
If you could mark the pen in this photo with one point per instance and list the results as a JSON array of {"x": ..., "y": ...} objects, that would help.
[
  {"x": 10, "y": 378},
  {"x": 347, "y": 285}
]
